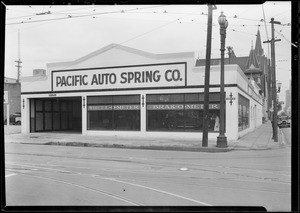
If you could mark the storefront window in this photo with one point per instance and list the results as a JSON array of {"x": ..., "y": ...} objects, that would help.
[
  {"x": 181, "y": 112},
  {"x": 243, "y": 113},
  {"x": 114, "y": 112}
]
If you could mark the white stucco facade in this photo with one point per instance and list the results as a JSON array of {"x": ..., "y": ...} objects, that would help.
[{"x": 125, "y": 70}]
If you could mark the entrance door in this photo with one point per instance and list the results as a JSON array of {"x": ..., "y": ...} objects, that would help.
[{"x": 55, "y": 114}]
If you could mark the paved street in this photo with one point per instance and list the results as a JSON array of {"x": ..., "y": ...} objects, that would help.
[{"x": 65, "y": 175}]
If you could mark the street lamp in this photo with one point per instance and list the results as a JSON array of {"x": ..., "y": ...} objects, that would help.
[
  {"x": 275, "y": 107},
  {"x": 279, "y": 86},
  {"x": 222, "y": 139}
]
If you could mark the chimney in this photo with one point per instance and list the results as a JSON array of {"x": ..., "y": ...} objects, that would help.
[{"x": 39, "y": 72}]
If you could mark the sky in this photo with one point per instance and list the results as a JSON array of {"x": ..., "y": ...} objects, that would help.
[{"x": 50, "y": 33}]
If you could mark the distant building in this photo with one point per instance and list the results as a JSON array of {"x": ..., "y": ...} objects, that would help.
[
  {"x": 13, "y": 89},
  {"x": 287, "y": 108}
]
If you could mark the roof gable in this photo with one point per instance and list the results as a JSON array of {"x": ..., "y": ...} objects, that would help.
[
  {"x": 252, "y": 60},
  {"x": 116, "y": 53}
]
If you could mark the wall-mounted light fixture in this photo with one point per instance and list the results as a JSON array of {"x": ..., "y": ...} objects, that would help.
[
  {"x": 83, "y": 101},
  {"x": 230, "y": 98},
  {"x": 143, "y": 100}
]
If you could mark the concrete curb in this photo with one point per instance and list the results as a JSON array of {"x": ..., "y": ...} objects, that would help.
[{"x": 150, "y": 147}]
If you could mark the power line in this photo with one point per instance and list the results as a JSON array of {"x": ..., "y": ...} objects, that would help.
[
  {"x": 286, "y": 39},
  {"x": 122, "y": 11},
  {"x": 150, "y": 31},
  {"x": 140, "y": 35},
  {"x": 80, "y": 16},
  {"x": 234, "y": 30}
]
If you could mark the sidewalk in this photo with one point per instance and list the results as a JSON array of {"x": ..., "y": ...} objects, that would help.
[{"x": 261, "y": 138}]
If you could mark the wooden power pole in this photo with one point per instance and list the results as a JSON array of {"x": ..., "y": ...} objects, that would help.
[
  {"x": 19, "y": 59},
  {"x": 274, "y": 90},
  {"x": 207, "y": 72}
]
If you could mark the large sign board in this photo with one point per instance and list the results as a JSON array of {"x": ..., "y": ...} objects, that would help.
[
  {"x": 180, "y": 106},
  {"x": 125, "y": 77}
]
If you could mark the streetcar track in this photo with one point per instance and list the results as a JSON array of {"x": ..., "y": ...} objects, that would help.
[
  {"x": 262, "y": 180},
  {"x": 85, "y": 187},
  {"x": 199, "y": 169},
  {"x": 137, "y": 185},
  {"x": 153, "y": 164}
]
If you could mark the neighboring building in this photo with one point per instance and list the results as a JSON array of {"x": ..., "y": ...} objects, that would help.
[
  {"x": 13, "y": 88},
  {"x": 257, "y": 69},
  {"x": 287, "y": 108},
  {"x": 119, "y": 90}
]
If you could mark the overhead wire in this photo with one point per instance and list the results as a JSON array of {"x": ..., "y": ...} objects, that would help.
[
  {"x": 286, "y": 38},
  {"x": 135, "y": 37},
  {"x": 150, "y": 31},
  {"x": 140, "y": 35},
  {"x": 80, "y": 16},
  {"x": 129, "y": 10}
]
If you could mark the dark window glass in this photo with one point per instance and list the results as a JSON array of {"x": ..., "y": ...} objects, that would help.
[
  {"x": 48, "y": 106},
  {"x": 126, "y": 99},
  {"x": 127, "y": 120},
  {"x": 64, "y": 121},
  {"x": 194, "y": 119},
  {"x": 100, "y": 100},
  {"x": 39, "y": 105},
  {"x": 56, "y": 121},
  {"x": 39, "y": 121},
  {"x": 32, "y": 115},
  {"x": 170, "y": 120},
  {"x": 180, "y": 112},
  {"x": 192, "y": 98},
  {"x": 48, "y": 121},
  {"x": 114, "y": 112},
  {"x": 100, "y": 120},
  {"x": 243, "y": 113},
  {"x": 63, "y": 106},
  {"x": 55, "y": 106},
  {"x": 70, "y": 106},
  {"x": 163, "y": 98}
]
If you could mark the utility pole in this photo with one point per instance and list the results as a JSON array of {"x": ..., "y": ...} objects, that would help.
[
  {"x": 19, "y": 69},
  {"x": 274, "y": 90},
  {"x": 207, "y": 72},
  {"x": 19, "y": 59}
]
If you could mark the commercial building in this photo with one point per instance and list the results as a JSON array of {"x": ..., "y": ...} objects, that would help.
[{"x": 119, "y": 90}]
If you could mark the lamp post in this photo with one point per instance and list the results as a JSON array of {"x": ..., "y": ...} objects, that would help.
[
  {"x": 278, "y": 86},
  {"x": 275, "y": 111},
  {"x": 222, "y": 139}
]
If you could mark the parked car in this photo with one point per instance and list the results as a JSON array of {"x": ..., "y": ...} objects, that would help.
[
  {"x": 284, "y": 121},
  {"x": 14, "y": 119},
  {"x": 178, "y": 121}
]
